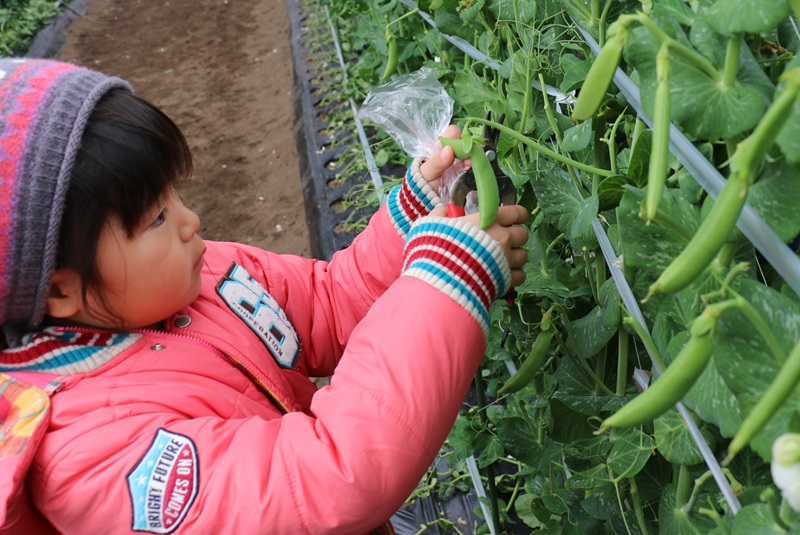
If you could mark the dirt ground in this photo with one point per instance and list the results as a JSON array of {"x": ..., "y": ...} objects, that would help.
[{"x": 222, "y": 69}]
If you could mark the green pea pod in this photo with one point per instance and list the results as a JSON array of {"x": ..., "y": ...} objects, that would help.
[
  {"x": 486, "y": 182},
  {"x": 657, "y": 172},
  {"x": 670, "y": 388},
  {"x": 391, "y": 61},
  {"x": 485, "y": 179},
  {"x": 457, "y": 146},
  {"x": 774, "y": 396},
  {"x": 599, "y": 77},
  {"x": 532, "y": 364},
  {"x": 707, "y": 241}
]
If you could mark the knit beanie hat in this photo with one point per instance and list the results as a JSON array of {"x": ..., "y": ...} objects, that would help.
[{"x": 44, "y": 107}]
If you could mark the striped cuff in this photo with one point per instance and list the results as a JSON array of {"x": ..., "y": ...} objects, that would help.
[
  {"x": 459, "y": 259},
  {"x": 411, "y": 200}
]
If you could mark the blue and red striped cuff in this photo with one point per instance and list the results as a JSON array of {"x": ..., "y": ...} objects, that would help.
[
  {"x": 411, "y": 200},
  {"x": 459, "y": 259}
]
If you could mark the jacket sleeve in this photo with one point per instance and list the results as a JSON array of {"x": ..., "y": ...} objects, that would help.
[
  {"x": 349, "y": 463},
  {"x": 326, "y": 300}
]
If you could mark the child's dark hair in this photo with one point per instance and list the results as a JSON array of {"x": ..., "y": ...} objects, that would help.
[{"x": 131, "y": 154}]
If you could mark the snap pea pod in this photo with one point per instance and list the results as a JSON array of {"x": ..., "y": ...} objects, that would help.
[
  {"x": 657, "y": 172},
  {"x": 774, "y": 396},
  {"x": 599, "y": 77},
  {"x": 485, "y": 178},
  {"x": 532, "y": 364},
  {"x": 674, "y": 383},
  {"x": 391, "y": 61},
  {"x": 715, "y": 229},
  {"x": 707, "y": 241}
]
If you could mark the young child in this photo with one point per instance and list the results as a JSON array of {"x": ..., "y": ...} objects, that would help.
[{"x": 178, "y": 369}]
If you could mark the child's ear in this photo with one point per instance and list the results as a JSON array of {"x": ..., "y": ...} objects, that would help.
[{"x": 66, "y": 294}]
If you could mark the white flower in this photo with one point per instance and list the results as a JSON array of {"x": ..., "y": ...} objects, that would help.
[{"x": 786, "y": 467}]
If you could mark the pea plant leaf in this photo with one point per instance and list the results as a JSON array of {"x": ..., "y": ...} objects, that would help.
[
  {"x": 748, "y": 16},
  {"x": 746, "y": 362},
  {"x": 701, "y": 107},
  {"x": 563, "y": 204},
  {"x": 774, "y": 196},
  {"x": 578, "y": 137},
  {"x": 652, "y": 247},
  {"x": 630, "y": 451},
  {"x": 475, "y": 94},
  {"x": 672, "y": 520},
  {"x": 589, "y": 334},
  {"x": 575, "y": 71},
  {"x": 789, "y": 136},
  {"x": 674, "y": 441}
]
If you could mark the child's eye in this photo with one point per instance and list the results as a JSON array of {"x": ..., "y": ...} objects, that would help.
[{"x": 160, "y": 218}]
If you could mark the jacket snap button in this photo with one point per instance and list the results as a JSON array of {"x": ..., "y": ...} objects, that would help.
[
  {"x": 157, "y": 347},
  {"x": 182, "y": 321}
]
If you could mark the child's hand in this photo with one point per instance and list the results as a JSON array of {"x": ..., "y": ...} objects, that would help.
[
  {"x": 432, "y": 169},
  {"x": 509, "y": 231}
]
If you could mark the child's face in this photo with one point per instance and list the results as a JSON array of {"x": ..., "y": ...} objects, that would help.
[{"x": 154, "y": 273}]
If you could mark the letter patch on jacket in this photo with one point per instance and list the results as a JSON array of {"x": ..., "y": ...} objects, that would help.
[
  {"x": 260, "y": 311},
  {"x": 163, "y": 484}
]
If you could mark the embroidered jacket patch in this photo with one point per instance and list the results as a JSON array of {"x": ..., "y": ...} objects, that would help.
[
  {"x": 260, "y": 311},
  {"x": 163, "y": 484}
]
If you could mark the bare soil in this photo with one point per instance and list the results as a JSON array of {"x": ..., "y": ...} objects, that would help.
[{"x": 222, "y": 70}]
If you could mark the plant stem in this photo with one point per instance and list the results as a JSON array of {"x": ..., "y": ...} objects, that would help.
[
  {"x": 541, "y": 148},
  {"x": 404, "y": 15},
  {"x": 647, "y": 341},
  {"x": 622, "y": 361},
  {"x": 680, "y": 49},
  {"x": 732, "y": 52},
  {"x": 698, "y": 486},
  {"x": 637, "y": 506},
  {"x": 763, "y": 329},
  {"x": 480, "y": 391},
  {"x": 612, "y": 145}
]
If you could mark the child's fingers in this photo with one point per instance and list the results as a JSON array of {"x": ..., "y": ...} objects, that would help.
[
  {"x": 511, "y": 215},
  {"x": 435, "y": 166}
]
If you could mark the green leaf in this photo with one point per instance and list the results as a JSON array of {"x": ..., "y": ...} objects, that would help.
[
  {"x": 521, "y": 12},
  {"x": 673, "y": 521},
  {"x": 602, "y": 502},
  {"x": 630, "y": 451},
  {"x": 700, "y": 106},
  {"x": 475, "y": 93},
  {"x": 610, "y": 192},
  {"x": 789, "y": 136},
  {"x": 519, "y": 439},
  {"x": 591, "y": 333},
  {"x": 578, "y": 137},
  {"x": 524, "y": 507},
  {"x": 745, "y": 361},
  {"x": 652, "y": 247},
  {"x": 774, "y": 196},
  {"x": 575, "y": 71},
  {"x": 748, "y": 16},
  {"x": 561, "y": 203},
  {"x": 639, "y": 162},
  {"x": 755, "y": 519},
  {"x": 674, "y": 441}
]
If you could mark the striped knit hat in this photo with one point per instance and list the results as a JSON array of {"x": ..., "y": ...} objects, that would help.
[{"x": 44, "y": 107}]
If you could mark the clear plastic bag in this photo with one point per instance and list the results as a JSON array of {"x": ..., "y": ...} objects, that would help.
[{"x": 414, "y": 109}]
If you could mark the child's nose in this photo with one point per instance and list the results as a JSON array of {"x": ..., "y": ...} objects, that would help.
[{"x": 190, "y": 225}]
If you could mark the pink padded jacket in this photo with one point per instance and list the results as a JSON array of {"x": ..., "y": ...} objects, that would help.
[{"x": 212, "y": 425}]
